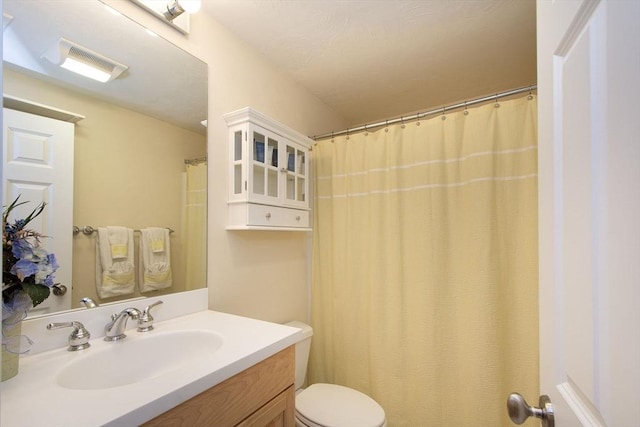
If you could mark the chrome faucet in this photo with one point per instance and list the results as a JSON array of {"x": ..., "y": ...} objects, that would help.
[
  {"x": 145, "y": 322},
  {"x": 115, "y": 329},
  {"x": 79, "y": 338},
  {"x": 89, "y": 302}
]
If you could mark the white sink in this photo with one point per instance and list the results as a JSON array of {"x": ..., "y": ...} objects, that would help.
[
  {"x": 129, "y": 382},
  {"x": 130, "y": 361}
]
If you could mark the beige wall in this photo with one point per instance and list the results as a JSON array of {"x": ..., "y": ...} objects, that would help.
[
  {"x": 258, "y": 274},
  {"x": 143, "y": 190}
]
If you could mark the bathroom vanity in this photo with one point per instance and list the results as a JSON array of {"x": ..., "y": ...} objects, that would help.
[
  {"x": 261, "y": 396},
  {"x": 203, "y": 368}
]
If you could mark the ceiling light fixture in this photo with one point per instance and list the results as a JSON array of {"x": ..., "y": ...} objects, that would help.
[
  {"x": 175, "y": 13},
  {"x": 79, "y": 59},
  {"x": 177, "y": 8}
]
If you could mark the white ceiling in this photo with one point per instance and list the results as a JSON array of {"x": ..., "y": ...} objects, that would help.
[
  {"x": 175, "y": 92},
  {"x": 376, "y": 59}
]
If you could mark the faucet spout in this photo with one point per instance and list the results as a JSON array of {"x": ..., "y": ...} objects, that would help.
[
  {"x": 89, "y": 302},
  {"x": 115, "y": 329}
]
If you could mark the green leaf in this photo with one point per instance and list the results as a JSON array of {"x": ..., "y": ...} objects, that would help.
[{"x": 37, "y": 293}]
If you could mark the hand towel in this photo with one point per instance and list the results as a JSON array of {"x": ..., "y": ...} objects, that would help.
[
  {"x": 115, "y": 270},
  {"x": 155, "y": 259}
]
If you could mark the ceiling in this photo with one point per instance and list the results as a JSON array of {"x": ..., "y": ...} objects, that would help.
[
  {"x": 371, "y": 60},
  {"x": 174, "y": 92}
]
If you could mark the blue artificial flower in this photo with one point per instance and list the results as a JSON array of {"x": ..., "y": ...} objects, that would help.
[
  {"x": 21, "y": 248},
  {"x": 24, "y": 268},
  {"x": 25, "y": 264}
]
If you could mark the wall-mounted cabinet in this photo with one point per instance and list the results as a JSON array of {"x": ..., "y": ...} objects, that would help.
[{"x": 268, "y": 174}]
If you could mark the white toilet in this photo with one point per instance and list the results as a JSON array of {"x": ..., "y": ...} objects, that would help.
[{"x": 330, "y": 405}]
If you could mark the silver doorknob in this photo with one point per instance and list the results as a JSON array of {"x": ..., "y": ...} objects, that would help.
[
  {"x": 59, "y": 290},
  {"x": 519, "y": 410}
]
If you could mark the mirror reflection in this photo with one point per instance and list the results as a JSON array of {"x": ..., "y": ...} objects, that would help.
[{"x": 136, "y": 154}]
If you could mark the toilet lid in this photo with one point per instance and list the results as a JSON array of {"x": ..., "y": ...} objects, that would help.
[{"x": 337, "y": 406}]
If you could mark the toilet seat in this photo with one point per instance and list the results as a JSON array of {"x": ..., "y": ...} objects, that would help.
[{"x": 322, "y": 405}]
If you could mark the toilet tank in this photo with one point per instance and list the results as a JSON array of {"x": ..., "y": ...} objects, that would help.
[{"x": 303, "y": 346}]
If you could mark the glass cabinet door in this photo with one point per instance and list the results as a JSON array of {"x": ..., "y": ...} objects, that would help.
[
  {"x": 237, "y": 162},
  {"x": 265, "y": 166},
  {"x": 296, "y": 174},
  {"x": 259, "y": 170},
  {"x": 272, "y": 168}
]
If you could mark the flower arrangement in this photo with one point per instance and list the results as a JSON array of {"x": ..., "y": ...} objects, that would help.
[{"x": 27, "y": 270}]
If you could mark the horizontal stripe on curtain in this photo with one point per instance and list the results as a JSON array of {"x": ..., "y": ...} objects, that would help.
[{"x": 424, "y": 272}]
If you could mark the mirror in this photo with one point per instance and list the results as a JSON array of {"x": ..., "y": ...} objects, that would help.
[{"x": 132, "y": 146}]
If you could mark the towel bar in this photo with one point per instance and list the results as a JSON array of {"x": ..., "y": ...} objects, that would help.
[{"x": 88, "y": 230}]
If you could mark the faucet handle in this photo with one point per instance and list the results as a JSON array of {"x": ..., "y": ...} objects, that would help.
[
  {"x": 79, "y": 338},
  {"x": 145, "y": 322}
]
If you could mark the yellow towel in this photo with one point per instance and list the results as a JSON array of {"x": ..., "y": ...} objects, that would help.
[
  {"x": 155, "y": 259},
  {"x": 115, "y": 270}
]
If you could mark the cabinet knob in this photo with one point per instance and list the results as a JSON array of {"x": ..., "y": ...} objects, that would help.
[
  {"x": 298, "y": 218},
  {"x": 268, "y": 215}
]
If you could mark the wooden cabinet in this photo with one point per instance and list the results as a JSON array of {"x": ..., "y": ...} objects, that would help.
[
  {"x": 268, "y": 174},
  {"x": 261, "y": 396}
]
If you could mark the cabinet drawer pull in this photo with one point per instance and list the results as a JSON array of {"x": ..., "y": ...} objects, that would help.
[{"x": 268, "y": 215}]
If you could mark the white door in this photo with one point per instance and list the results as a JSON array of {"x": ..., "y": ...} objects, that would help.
[
  {"x": 38, "y": 166},
  {"x": 589, "y": 205}
]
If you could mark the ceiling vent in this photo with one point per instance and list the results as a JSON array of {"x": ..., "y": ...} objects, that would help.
[{"x": 79, "y": 59}]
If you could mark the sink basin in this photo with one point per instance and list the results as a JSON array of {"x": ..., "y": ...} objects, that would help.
[{"x": 138, "y": 358}]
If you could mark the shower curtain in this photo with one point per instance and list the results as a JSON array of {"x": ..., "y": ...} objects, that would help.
[
  {"x": 424, "y": 271},
  {"x": 195, "y": 242}
]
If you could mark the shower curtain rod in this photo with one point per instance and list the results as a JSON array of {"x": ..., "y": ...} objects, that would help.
[
  {"x": 418, "y": 116},
  {"x": 195, "y": 161}
]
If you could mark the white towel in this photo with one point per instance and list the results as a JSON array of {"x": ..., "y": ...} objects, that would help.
[
  {"x": 115, "y": 270},
  {"x": 155, "y": 259}
]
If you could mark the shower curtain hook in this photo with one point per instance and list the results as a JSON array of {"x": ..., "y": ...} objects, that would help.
[
  {"x": 466, "y": 112},
  {"x": 401, "y": 122},
  {"x": 418, "y": 119},
  {"x": 366, "y": 131},
  {"x": 443, "y": 116},
  {"x": 497, "y": 104},
  {"x": 530, "y": 97},
  {"x": 386, "y": 125},
  {"x": 332, "y": 140},
  {"x": 347, "y": 137}
]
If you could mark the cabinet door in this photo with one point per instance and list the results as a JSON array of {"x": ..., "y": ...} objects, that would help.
[
  {"x": 294, "y": 174},
  {"x": 264, "y": 159},
  {"x": 237, "y": 159},
  {"x": 279, "y": 412}
]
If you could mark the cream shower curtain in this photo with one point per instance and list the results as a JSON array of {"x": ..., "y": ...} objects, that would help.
[
  {"x": 424, "y": 275},
  {"x": 196, "y": 226}
]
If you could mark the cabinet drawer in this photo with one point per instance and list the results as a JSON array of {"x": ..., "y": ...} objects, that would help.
[{"x": 272, "y": 216}]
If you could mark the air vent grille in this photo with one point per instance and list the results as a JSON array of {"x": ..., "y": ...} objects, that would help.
[
  {"x": 105, "y": 69},
  {"x": 88, "y": 57}
]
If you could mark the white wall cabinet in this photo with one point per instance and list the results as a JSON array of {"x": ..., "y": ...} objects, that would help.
[{"x": 268, "y": 174}]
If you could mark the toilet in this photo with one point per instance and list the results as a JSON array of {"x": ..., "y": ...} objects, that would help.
[{"x": 330, "y": 405}]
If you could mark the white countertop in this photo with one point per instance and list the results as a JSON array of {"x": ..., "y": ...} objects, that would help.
[{"x": 34, "y": 399}]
